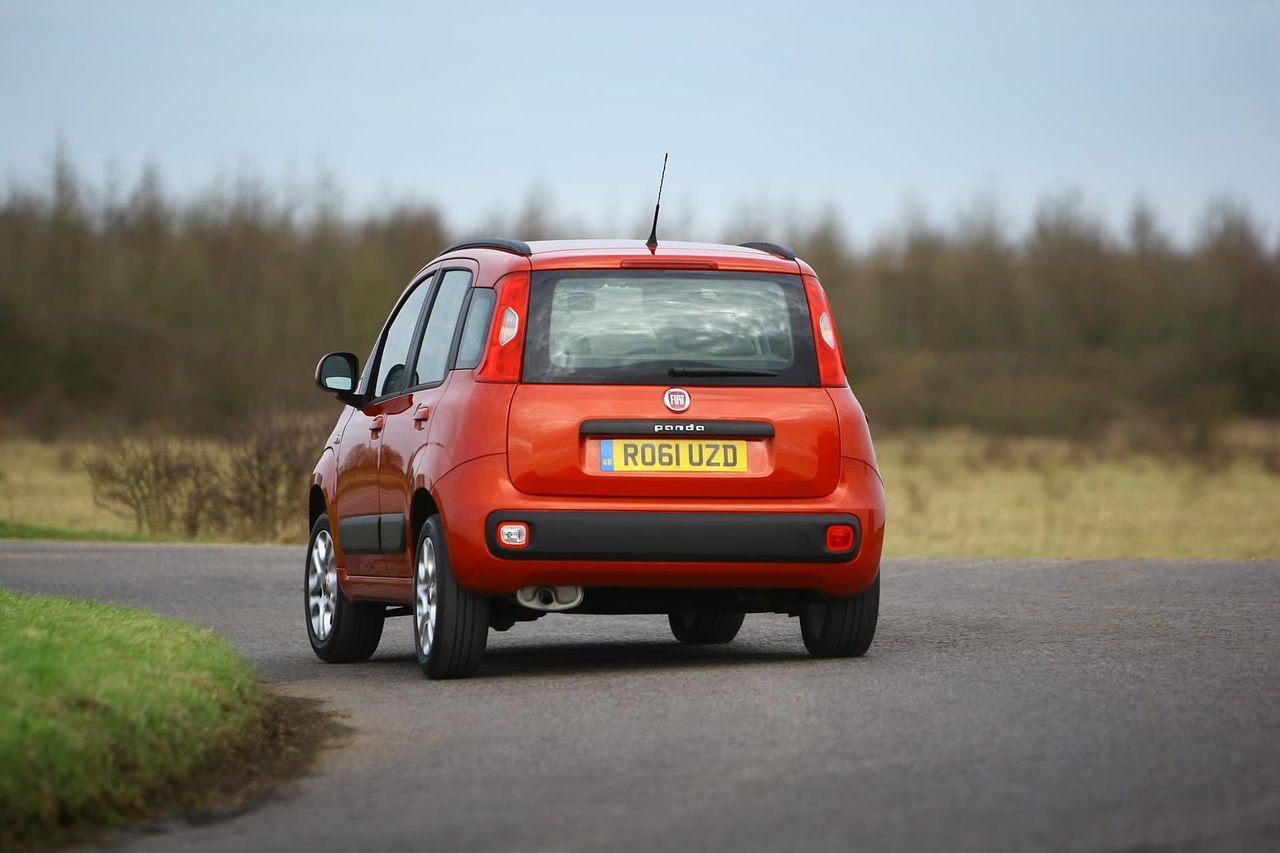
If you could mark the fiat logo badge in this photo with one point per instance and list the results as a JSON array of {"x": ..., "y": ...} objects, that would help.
[{"x": 677, "y": 399}]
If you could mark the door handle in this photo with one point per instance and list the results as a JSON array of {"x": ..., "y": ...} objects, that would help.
[
  {"x": 420, "y": 417},
  {"x": 377, "y": 423}
]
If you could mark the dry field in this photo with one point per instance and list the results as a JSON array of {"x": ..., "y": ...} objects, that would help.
[
  {"x": 949, "y": 493},
  {"x": 45, "y": 485},
  {"x": 957, "y": 493}
]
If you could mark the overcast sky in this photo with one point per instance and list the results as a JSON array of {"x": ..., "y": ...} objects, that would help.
[{"x": 866, "y": 108}]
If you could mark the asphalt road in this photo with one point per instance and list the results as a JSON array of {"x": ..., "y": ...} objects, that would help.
[{"x": 1008, "y": 704}]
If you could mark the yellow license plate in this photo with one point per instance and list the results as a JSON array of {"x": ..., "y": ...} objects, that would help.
[{"x": 630, "y": 454}]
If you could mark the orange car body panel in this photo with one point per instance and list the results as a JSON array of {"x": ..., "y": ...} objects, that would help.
[{"x": 549, "y": 455}]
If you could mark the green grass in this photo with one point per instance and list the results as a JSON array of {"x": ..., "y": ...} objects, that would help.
[
  {"x": 106, "y": 711},
  {"x": 18, "y": 530}
]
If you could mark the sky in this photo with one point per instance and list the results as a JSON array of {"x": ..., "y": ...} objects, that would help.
[{"x": 771, "y": 111}]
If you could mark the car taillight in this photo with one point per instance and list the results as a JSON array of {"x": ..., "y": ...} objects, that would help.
[
  {"x": 504, "y": 355},
  {"x": 825, "y": 339}
]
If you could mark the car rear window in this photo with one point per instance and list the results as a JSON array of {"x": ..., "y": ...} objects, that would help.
[{"x": 655, "y": 327}]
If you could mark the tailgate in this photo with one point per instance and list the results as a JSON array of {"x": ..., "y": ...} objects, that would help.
[{"x": 622, "y": 441}]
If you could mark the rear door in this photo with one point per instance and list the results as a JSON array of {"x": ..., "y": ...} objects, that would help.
[
  {"x": 407, "y": 429},
  {"x": 668, "y": 383}
]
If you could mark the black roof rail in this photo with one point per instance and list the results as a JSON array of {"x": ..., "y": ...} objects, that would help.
[
  {"x": 516, "y": 247},
  {"x": 772, "y": 248}
]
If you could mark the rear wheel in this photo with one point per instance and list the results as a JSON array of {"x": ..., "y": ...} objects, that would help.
[
  {"x": 340, "y": 630},
  {"x": 450, "y": 624},
  {"x": 841, "y": 627},
  {"x": 704, "y": 627}
]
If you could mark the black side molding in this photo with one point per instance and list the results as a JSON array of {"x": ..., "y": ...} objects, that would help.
[
  {"x": 515, "y": 247},
  {"x": 772, "y": 248},
  {"x": 677, "y": 429},
  {"x": 372, "y": 534}
]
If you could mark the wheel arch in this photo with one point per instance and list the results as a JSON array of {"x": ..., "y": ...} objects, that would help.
[
  {"x": 422, "y": 507},
  {"x": 316, "y": 505}
]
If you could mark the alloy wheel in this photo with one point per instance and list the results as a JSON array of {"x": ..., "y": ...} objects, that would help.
[
  {"x": 425, "y": 601},
  {"x": 322, "y": 585}
]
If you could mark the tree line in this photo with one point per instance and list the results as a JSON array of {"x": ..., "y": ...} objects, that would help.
[{"x": 131, "y": 309}]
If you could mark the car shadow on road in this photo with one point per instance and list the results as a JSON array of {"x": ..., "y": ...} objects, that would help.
[
  {"x": 563, "y": 658},
  {"x": 576, "y": 658}
]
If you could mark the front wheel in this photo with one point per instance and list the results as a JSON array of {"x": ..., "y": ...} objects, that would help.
[
  {"x": 841, "y": 627},
  {"x": 340, "y": 630},
  {"x": 450, "y": 624}
]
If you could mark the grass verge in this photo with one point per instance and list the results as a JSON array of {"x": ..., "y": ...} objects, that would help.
[
  {"x": 109, "y": 715},
  {"x": 18, "y": 530}
]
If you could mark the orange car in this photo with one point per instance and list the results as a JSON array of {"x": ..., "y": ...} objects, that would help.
[{"x": 596, "y": 426}]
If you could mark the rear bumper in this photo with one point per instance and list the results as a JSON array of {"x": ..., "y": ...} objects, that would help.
[
  {"x": 744, "y": 537},
  {"x": 648, "y": 542}
]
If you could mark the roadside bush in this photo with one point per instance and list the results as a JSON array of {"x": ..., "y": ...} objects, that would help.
[
  {"x": 167, "y": 485},
  {"x": 253, "y": 486},
  {"x": 266, "y": 471}
]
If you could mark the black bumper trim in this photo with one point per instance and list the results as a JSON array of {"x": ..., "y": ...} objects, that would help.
[{"x": 713, "y": 537}]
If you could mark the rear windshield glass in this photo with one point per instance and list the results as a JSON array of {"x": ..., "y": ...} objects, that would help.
[{"x": 656, "y": 327}]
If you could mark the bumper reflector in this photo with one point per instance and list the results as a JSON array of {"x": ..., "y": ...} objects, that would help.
[{"x": 840, "y": 537}]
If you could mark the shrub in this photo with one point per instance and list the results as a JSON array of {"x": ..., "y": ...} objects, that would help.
[
  {"x": 252, "y": 487},
  {"x": 167, "y": 485},
  {"x": 267, "y": 470}
]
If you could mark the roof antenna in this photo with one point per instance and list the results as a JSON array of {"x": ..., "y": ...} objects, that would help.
[{"x": 652, "y": 242}]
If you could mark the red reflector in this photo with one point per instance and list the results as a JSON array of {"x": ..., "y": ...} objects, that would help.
[{"x": 839, "y": 537}]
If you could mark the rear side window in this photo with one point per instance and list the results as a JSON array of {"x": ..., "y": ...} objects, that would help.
[
  {"x": 476, "y": 328},
  {"x": 654, "y": 327},
  {"x": 433, "y": 354}
]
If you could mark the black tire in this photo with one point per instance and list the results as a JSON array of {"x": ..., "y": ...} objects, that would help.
[
  {"x": 841, "y": 627},
  {"x": 353, "y": 628},
  {"x": 704, "y": 627},
  {"x": 459, "y": 619}
]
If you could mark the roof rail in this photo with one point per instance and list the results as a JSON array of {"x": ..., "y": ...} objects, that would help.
[
  {"x": 772, "y": 248},
  {"x": 516, "y": 247}
]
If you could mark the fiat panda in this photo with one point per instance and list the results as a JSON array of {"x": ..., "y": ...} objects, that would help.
[{"x": 595, "y": 427}]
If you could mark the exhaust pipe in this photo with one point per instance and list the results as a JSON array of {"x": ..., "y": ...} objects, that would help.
[{"x": 550, "y": 599}]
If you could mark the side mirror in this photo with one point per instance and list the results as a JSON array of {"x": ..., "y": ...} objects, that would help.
[{"x": 339, "y": 372}]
